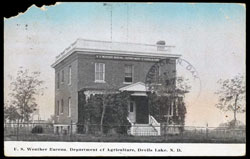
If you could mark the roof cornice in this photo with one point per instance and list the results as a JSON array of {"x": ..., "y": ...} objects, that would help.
[{"x": 93, "y": 47}]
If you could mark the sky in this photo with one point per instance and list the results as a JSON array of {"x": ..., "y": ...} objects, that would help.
[{"x": 210, "y": 36}]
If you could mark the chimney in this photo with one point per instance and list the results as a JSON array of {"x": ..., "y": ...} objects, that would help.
[{"x": 160, "y": 45}]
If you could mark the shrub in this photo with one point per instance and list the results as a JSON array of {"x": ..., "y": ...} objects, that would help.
[{"x": 37, "y": 130}]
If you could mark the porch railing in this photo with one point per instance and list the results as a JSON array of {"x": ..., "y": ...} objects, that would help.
[{"x": 154, "y": 124}]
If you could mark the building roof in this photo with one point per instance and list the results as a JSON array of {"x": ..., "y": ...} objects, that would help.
[
  {"x": 96, "y": 47},
  {"x": 135, "y": 87},
  {"x": 138, "y": 89}
]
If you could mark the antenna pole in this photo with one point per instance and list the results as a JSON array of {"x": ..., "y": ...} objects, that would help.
[
  {"x": 111, "y": 22},
  {"x": 127, "y": 23},
  {"x": 110, "y": 5}
]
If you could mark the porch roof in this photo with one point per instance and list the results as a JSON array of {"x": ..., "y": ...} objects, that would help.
[{"x": 136, "y": 87}]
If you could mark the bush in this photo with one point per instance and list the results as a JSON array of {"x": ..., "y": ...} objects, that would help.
[{"x": 37, "y": 130}]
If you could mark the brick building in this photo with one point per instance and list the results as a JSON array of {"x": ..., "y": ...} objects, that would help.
[{"x": 94, "y": 66}]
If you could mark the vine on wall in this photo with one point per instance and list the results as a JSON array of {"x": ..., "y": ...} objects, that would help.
[
  {"x": 115, "y": 117},
  {"x": 160, "y": 108}
]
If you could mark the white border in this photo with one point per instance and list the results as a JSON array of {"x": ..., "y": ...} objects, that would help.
[{"x": 19, "y": 148}]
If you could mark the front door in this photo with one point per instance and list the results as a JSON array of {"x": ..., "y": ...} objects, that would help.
[
  {"x": 132, "y": 111},
  {"x": 142, "y": 113}
]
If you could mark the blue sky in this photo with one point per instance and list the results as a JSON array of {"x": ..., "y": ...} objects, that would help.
[
  {"x": 67, "y": 13},
  {"x": 210, "y": 36}
]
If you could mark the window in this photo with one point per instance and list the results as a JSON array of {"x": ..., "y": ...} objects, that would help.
[
  {"x": 171, "y": 109},
  {"x": 69, "y": 81},
  {"x": 99, "y": 72},
  {"x": 62, "y": 76},
  {"x": 131, "y": 107},
  {"x": 58, "y": 80},
  {"x": 62, "y": 106},
  {"x": 128, "y": 74},
  {"x": 57, "y": 108},
  {"x": 69, "y": 107}
]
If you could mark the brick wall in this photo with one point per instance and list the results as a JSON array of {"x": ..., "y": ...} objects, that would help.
[
  {"x": 67, "y": 90},
  {"x": 114, "y": 71}
]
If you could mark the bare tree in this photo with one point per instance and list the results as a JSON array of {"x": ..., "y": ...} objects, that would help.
[
  {"x": 232, "y": 95},
  {"x": 24, "y": 88}
]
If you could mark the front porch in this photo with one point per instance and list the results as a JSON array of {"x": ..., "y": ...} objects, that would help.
[{"x": 142, "y": 123}]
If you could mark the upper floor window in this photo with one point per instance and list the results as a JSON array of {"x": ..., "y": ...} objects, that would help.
[
  {"x": 99, "y": 72},
  {"x": 69, "y": 106},
  {"x": 62, "y": 76},
  {"x": 62, "y": 106},
  {"x": 69, "y": 75},
  {"x": 128, "y": 74},
  {"x": 58, "y": 80}
]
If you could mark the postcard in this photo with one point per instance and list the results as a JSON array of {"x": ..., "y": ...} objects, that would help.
[{"x": 125, "y": 79}]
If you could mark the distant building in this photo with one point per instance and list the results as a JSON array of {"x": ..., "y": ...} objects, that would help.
[{"x": 93, "y": 66}]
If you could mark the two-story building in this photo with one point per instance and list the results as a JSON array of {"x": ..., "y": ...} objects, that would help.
[{"x": 95, "y": 66}]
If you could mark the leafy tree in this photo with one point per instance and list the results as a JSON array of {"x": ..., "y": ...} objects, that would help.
[
  {"x": 169, "y": 92},
  {"x": 160, "y": 106},
  {"x": 172, "y": 86},
  {"x": 24, "y": 88},
  {"x": 232, "y": 95},
  {"x": 107, "y": 98},
  {"x": 114, "y": 115},
  {"x": 117, "y": 112},
  {"x": 10, "y": 113}
]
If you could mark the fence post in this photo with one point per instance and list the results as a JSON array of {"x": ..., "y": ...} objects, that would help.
[
  {"x": 71, "y": 130},
  {"x": 207, "y": 131},
  {"x": 17, "y": 131},
  {"x": 165, "y": 131}
]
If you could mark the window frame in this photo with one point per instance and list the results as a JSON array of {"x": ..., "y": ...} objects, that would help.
[
  {"x": 69, "y": 75},
  {"x": 58, "y": 80},
  {"x": 62, "y": 80},
  {"x": 57, "y": 108},
  {"x": 132, "y": 73},
  {"x": 98, "y": 72},
  {"x": 62, "y": 107}
]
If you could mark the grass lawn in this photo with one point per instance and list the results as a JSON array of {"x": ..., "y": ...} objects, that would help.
[{"x": 125, "y": 138}]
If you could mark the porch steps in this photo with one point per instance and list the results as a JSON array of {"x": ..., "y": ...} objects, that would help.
[{"x": 143, "y": 130}]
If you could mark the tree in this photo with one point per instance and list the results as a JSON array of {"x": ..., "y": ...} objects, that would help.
[
  {"x": 10, "y": 113},
  {"x": 168, "y": 95},
  {"x": 24, "y": 89},
  {"x": 172, "y": 86},
  {"x": 107, "y": 99},
  {"x": 232, "y": 95},
  {"x": 51, "y": 120}
]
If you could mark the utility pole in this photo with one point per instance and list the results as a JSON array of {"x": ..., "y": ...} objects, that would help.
[
  {"x": 110, "y": 5},
  {"x": 127, "y": 22},
  {"x": 111, "y": 19}
]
